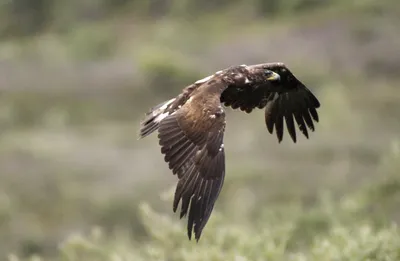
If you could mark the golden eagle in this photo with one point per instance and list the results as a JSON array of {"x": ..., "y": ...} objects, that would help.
[{"x": 191, "y": 128}]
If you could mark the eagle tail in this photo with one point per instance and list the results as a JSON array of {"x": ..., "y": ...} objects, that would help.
[{"x": 152, "y": 119}]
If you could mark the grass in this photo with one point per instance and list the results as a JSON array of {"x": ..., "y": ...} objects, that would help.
[
  {"x": 329, "y": 230},
  {"x": 76, "y": 185}
]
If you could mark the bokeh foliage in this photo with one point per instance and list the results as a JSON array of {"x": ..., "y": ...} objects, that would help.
[{"x": 76, "y": 76}]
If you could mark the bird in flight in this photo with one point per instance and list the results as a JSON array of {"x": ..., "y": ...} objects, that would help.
[{"x": 191, "y": 128}]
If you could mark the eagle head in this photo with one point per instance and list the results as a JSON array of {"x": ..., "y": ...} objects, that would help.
[
  {"x": 244, "y": 74},
  {"x": 286, "y": 76}
]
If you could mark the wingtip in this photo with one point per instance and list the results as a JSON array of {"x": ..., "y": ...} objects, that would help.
[
  {"x": 197, "y": 236},
  {"x": 317, "y": 103},
  {"x": 182, "y": 215},
  {"x": 139, "y": 135}
]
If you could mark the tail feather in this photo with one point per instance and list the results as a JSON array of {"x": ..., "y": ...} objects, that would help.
[{"x": 152, "y": 119}]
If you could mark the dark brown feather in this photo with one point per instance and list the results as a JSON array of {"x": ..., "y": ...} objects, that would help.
[
  {"x": 196, "y": 154},
  {"x": 290, "y": 126},
  {"x": 285, "y": 99},
  {"x": 191, "y": 128}
]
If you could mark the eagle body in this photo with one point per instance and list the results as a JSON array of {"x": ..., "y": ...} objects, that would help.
[{"x": 191, "y": 128}]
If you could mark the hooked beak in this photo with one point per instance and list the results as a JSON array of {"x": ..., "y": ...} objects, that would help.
[{"x": 273, "y": 76}]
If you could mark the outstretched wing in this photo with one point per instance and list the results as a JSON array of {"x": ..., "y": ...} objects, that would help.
[
  {"x": 287, "y": 100},
  {"x": 155, "y": 115},
  {"x": 192, "y": 142}
]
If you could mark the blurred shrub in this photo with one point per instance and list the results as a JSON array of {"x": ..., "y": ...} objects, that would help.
[
  {"x": 354, "y": 227},
  {"x": 91, "y": 42},
  {"x": 166, "y": 72},
  {"x": 26, "y": 17},
  {"x": 270, "y": 237},
  {"x": 272, "y": 7}
]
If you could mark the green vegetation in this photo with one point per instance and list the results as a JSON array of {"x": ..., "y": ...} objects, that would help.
[
  {"x": 353, "y": 227},
  {"x": 77, "y": 76}
]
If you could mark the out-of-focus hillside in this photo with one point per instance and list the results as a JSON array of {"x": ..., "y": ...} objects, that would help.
[{"x": 77, "y": 76}]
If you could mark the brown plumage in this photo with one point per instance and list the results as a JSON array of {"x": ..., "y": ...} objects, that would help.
[{"x": 191, "y": 128}]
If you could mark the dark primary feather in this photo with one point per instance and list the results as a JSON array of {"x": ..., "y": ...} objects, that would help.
[
  {"x": 197, "y": 156},
  {"x": 286, "y": 102}
]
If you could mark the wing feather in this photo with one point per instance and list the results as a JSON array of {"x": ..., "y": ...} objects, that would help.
[
  {"x": 290, "y": 125},
  {"x": 282, "y": 101},
  {"x": 314, "y": 114},
  {"x": 197, "y": 157},
  {"x": 279, "y": 122},
  {"x": 307, "y": 118},
  {"x": 300, "y": 122}
]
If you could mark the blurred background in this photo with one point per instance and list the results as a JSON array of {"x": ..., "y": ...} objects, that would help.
[{"x": 76, "y": 77}]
